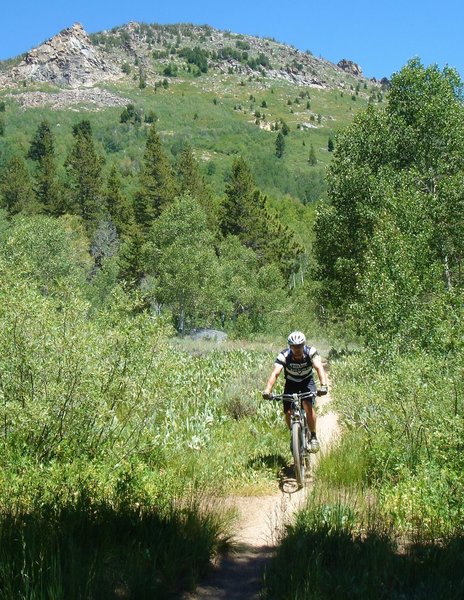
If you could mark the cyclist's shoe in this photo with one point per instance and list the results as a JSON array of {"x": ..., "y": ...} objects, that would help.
[{"x": 314, "y": 445}]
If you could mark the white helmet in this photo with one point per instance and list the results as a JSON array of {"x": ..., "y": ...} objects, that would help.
[{"x": 296, "y": 338}]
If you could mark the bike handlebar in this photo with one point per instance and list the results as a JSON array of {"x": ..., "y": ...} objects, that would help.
[{"x": 295, "y": 396}]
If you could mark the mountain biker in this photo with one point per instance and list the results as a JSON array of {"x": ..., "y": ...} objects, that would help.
[{"x": 297, "y": 362}]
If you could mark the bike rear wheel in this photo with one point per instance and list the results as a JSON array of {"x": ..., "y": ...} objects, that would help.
[{"x": 297, "y": 451}]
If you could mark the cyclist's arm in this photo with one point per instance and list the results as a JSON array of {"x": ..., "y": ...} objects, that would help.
[
  {"x": 317, "y": 364},
  {"x": 273, "y": 378}
]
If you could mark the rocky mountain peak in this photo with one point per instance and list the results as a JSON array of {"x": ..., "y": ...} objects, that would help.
[
  {"x": 67, "y": 59},
  {"x": 350, "y": 67}
]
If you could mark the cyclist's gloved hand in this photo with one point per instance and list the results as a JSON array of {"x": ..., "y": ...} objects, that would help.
[
  {"x": 266, "y": 395},
  {"x": 322, "y": 391}
]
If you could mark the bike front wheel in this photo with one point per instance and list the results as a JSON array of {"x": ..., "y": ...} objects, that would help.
[{"x": 297, "y": 451}]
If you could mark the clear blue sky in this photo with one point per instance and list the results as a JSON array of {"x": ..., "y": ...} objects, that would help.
[{"x": 380, "y": 36}]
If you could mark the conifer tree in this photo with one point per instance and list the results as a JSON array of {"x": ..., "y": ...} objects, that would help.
[
  {"x": 131, "y": 258},
  {"x": 238, "y": 201},
  {"x": 42, "y": 151},
  {"x": 157, "y": 185},
  {"x": 280, "y": 145},
  {"x": 191, "y": 182},
  {"x": 84, "y": 167},
  {"x": 16, "y": 193},
  {"x": 245, "y": 214},
  {"x": 118, "y": 207}
]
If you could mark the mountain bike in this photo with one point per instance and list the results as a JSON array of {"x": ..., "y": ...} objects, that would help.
[{"x": 299, "y": 434}]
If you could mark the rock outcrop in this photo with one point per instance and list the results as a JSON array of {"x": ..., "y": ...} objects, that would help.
[
  {"x": 69, "y": 59},
  {"x": 350, "y": 67}
]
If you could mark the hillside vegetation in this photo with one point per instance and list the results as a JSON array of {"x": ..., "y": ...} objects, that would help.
[{"x": 193, "y": 142}]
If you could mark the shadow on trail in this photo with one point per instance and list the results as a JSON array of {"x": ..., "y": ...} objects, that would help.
[
  {"x": 285, "y": 471},
  {"x": 237, "y": 576},
  {"x": 287, "y": 479},
  {"x": 268, "y": 461}
]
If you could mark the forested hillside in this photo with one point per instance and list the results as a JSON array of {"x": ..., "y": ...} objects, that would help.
[{"x": 191, "y": 142}]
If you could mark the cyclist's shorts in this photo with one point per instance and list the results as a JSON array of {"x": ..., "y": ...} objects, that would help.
[{"x": 292, "y": 387}]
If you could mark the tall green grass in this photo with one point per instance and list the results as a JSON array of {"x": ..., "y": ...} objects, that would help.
[{"x": 87, "y": 551}]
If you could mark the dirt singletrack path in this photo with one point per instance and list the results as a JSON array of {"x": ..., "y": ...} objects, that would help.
[{"x": 238, "y": 575}]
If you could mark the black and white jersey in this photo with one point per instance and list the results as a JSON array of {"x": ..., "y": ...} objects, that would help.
[{"x": 297, "y": 370}]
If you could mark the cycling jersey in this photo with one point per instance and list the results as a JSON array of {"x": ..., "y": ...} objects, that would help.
[{"x": 297, "y": 371}]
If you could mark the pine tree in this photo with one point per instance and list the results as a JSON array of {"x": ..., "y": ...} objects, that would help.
[
  {"x": 236, "y": 207},
  {"x": 42, "y": 151},
  {"x": 246, "y": 214},
  {"x": 16, "y": 191},
  {"x": 157, "y": 185},
  {"x": 189, "y": 178},
  {"x": 280, "y": 145},
  {"x": 131, "y": 258},
  {"x": 312, "y": 156},
  {"x": 84, "y": 167},
  {"x": 191, "y": 182},
  {"x": 118, "y": 207}
]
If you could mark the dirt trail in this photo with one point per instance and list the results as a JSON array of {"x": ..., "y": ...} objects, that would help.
[{"x": 237, "y": 576}]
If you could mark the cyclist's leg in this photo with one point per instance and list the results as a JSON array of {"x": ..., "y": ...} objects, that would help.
[
  {"x": 311, "y": 417},
  {"x": 310, "y": 414}
]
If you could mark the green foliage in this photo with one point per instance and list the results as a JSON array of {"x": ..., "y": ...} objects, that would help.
[
  {"x": 247, "y": 303},
  {"x": 196, "y": 56},
  {"x": 412, "y": 436},
  {"x": 42, "y": 151},
  {"x": 394, "y": 224},
  {"x": 325, "y": 552},
  {"x": 181, "y": 258},
  {"x": 157, "y": 185},
  {"x": 130, "y": 115},
  {"x": 16, "y": 190},
  {"x": 84, "y": 167},
  {"x": 246, "y": 214},
  {"x": 117, "y": 204},
  {"x": 86, "y": 547},
  {"x": 312, "y": 160},
  {"x": 170, "y": 70}
]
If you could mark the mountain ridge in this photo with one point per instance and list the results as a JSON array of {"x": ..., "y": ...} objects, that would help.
[{"x": 74, "y": 59}]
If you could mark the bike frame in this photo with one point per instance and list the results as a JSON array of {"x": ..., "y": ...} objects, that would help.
[{"x": 298, "y": 431}]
